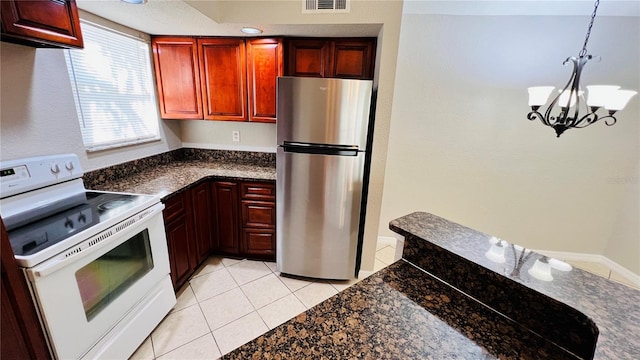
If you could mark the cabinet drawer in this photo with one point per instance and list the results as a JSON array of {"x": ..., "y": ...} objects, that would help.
[
  {"x": 258, "y": 191},
  {"x": 174, "y": 207},
  {"x": 259, "y": 214},
  {"x": 259, "y": 241}
]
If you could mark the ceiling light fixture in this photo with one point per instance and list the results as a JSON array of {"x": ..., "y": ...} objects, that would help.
[
  {"x": 135, "y": 2},
  {"x": 251, "y": 30},
  {"x": 568, "y": 100}
]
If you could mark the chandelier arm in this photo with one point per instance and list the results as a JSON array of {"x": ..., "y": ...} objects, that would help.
[
  {"x": 590, "y": 118},
  {"x": 534, "y": 114},
  {"x": 575, "y": 88},
  {"x": 609, "y": 117},
  {"x": 562, "y": 116}
]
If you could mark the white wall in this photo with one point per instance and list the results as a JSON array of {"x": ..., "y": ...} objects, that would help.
[
  {"x": 460, "y": 145},
  {"x": 38, "y": 114},
  {"x": 218, "y": 135}
]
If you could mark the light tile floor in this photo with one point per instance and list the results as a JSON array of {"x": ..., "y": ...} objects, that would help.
[{"x": 229, "y": 302}]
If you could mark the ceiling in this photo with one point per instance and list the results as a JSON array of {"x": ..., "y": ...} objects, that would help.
[
  {"x": 522, "y": 7},
  {"x": 178, "y": 17}
]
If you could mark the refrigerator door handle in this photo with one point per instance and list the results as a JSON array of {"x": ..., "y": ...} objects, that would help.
[{"x": 321, "y": 149}]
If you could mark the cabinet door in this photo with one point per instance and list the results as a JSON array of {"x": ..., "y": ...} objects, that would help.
[
  {"x": 264, "y": 65},
  {"x": 201, "y": 206},
  {"x": 178, "y": 228},
  {"x": 178, "y": 77},
  {"x": 225, "y": 204},
  {"x": 307, "y": 58},
  {"x": 352, "y": 59},
  {"x": 258, "y": 214},
  {"x": 45, "y": 23},
  {"x": 178, "y": 234},
  {"x": 259, "y": 242},
  {"x": 223, "y": 78}
]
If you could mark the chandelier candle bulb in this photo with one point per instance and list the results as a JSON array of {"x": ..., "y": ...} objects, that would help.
[
  {"x": 620, "y": 100},
  {"x": 538, "y": 95},
  {"x": 599, "y": 95}
]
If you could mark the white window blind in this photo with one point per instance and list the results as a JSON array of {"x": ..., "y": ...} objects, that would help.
[{"x": 114, "y": 94}]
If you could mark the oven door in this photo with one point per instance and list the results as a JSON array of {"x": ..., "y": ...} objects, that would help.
[{"x": 84, "y": 292}]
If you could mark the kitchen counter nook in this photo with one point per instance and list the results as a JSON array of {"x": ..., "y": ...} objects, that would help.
[
  {"x": 166, "y": 174},
  {"x": 459, "y": 293},
  {"x": 216, "y": 202}
]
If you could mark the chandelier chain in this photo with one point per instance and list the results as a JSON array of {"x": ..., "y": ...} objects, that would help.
[{"x": 583, "y": 52}]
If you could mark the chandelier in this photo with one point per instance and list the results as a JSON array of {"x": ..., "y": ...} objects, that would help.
[{"x": 564, "y": 111}]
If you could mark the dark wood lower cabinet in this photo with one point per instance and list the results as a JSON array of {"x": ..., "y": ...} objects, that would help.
[
  {"x": 258, "y": 220},
  {"x": 230, "y": 218},
  {"x": 260, "y": 243},
  {"x": 202, "y": 224},
  {"x": 225, "y": 217},
  {"x": 179, "y": 229},
  {"x": 21, "y": 334}
]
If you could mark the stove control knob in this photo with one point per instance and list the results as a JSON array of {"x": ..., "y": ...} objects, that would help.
[
  {"x": 55, "y": 168},
  {"x": 69, "y": 165},
  {"x": 82, "y": 218},
  {"x": 68, "y": 224}
]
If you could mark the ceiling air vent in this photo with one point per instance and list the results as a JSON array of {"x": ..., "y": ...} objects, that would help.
[{"x": 325, "y": 6}]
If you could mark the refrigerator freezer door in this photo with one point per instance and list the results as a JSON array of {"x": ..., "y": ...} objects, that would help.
[
  {"x": 323, "y": 111},
  {"x": 319, "y": 196}
]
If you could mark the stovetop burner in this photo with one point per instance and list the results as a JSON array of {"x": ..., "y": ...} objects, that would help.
[{"x": 99, "y": 207}]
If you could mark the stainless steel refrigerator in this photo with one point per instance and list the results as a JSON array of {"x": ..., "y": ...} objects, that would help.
[{"x": 322, "y": 159}]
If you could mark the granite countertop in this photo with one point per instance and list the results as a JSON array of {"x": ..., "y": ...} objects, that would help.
[
  {"x": 400, "y": 312},
  {"x": 462, "y": 257},
  {"x": 405, "y": 311},
  {"x": 167, "y": 179}
]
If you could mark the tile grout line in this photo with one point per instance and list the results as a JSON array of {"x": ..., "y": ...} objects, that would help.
[{"x": 208, "y": 325}]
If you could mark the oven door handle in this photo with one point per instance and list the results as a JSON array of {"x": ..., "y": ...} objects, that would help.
[
  {"x": 51, "y": 267},
  {"x": 90, "y": 246}
]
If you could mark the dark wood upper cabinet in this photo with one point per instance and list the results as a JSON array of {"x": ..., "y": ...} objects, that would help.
[
  {"x": 348, "y": 58},
  {"x": 177, "y": 77},
  {"x": 217, "y": 78},
  {"x": 352, "y": 59},
  {"x": 223, "y": 78},
  {"x": 264, "y": 65},
  {"x": 41, "y": 23},
  {"x": 307, "y": 57}
]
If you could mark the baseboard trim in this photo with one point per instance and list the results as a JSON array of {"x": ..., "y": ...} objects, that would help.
[
  {"x": 208, "y": 146},
  {"x": 595, "y": 258}
]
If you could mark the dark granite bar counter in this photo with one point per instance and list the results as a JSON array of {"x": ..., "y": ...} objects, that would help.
[
  {"x": 405, "y": 311},
  {"x": 565, "y": 304},
  {"x": 166, "y": 174},
  {"x": 400, "y": 312}
]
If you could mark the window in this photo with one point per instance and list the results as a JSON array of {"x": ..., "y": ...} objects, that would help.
[{"x": 113, "y": 88}]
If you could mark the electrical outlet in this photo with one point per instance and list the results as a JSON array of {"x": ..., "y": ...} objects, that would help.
[{"x": 235, "y": 135}]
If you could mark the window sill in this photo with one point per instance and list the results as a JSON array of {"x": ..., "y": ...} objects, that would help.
[{"x": 91, "y": 149}]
